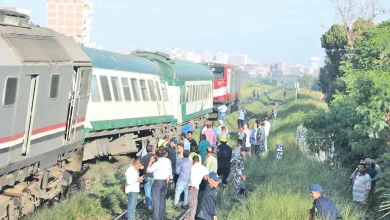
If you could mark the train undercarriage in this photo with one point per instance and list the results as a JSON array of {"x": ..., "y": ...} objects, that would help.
[{"x": 28, "y": 188}]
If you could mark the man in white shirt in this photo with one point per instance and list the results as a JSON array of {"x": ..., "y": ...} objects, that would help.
[
  {"x": 162, "y": 175},
  {"x": 132, "y": 187},
  {"x": 222, "y": 111},
  {"x": 198, "y": 172},
  {"x": 267, "y": 127}
]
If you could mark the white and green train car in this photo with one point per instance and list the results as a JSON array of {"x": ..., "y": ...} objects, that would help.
[
  {"x": 190, "y": 86},
  {"x": 129, "y": 104}
]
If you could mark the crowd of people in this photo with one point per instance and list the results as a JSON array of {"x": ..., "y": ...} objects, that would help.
[{"x": 190, "y": 172}]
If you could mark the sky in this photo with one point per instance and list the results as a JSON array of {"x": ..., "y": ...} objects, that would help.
[{"x": 268, "y": 31}]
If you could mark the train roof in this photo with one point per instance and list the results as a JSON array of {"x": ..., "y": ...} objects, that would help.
[
  {"x": 114, "y": 61},
  {"x": 24, "y": 42},
  {"x": 178, "y": 70}
]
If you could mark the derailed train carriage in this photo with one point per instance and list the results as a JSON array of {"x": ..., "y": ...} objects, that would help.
[
  {"x": 136, "y": 99},
  {"x": 45, "y": 89},
  {"x": 54, "y": 113}
]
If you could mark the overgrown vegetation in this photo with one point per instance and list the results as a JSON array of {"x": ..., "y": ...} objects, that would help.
[
  {"x": 278, "y": 186},
  {"x": 356, "y": 123}
]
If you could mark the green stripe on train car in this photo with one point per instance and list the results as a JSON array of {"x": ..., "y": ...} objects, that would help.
[
  {"x": 125, "y": 123},
  {"x": 187, "y": 118}
]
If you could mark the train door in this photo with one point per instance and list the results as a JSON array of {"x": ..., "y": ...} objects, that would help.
[
  {"x": 160, "y": 98},
  {"x": 74, "y": 104},
  {"x": 30, "y": 114}
]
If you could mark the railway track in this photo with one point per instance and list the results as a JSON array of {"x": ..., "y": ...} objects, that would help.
[{"x": 144, "y": 213}]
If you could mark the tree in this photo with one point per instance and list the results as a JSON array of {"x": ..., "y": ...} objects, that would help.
[
  {"x": 349, "y": 11},
  {"x": 334, "y": 41},
  {"x": 357, "y": 121},
  {"x": 306, "y": 81}
]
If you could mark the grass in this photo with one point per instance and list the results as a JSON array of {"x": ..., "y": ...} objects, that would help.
[{"x": 278, "y": 186}]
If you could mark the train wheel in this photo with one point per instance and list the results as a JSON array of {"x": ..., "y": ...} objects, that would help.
[{"x": 84, "y": 182}]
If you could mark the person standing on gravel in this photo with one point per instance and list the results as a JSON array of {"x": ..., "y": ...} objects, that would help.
[
  {"x": 198, "y": 173},
  {"x": 149, "y": 178},
  {"x": 162, "y": 174},
  {"x": 184, "y": 170},
  {"x": 132, "y": 187}
]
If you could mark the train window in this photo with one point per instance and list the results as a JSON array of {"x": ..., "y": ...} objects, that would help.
[
  {"x": 203, "y": 92},
  {"x": 182, "y": 94},
  {"x": 218, "y": 72},
  {"x": 187, "y": 94},
  {"x": 198, "y": 91},
  {"x": 84, "y": 87},
  {"x": 144, "y": 90},
  {"x": 152, "y": 90},
  {"x": 192, "y": 93},
  {"x": 95, "y": 95},
  {"x": 115, "y": 89},
  {"x": 164, "y": 91},
  {"x": 126, "y": 89},
  {"x": 54, "y": 86},
  {"x": 158, "y": 91},
  {"x": 135, "y": 87},
  {"x": 105, "y": 88},
  {"x": 10, "y": 91}
]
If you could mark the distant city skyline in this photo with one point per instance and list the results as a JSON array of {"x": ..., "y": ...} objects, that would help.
[{"x": 267, "y": 31}]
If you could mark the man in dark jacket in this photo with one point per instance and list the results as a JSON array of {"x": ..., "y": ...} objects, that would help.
[
  {"x": 224, "y": 155},
  {"x": 208, "y": 201},
  {"x": 171, "y": 148},
  {"x": 172, "y": 156},
  {"x": 323, "y": 207}
]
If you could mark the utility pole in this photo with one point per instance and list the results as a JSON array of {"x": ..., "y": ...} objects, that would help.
[{"x": 296, "y": 90}]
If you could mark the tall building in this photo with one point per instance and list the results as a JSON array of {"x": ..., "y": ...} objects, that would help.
[
  {"x": 18, "y": 10},
  {"x": 284, "y": 67},
  {"x": 72, "y": 18},
  {"x": 314, "y": 63},
  {"x": 194, "y": 57},
  {"x": 239, "y": 59},
  {"x": 206, "y": 56},
  {"x": 222, "y": 58},
  {"x": 176, "y": 53}
]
